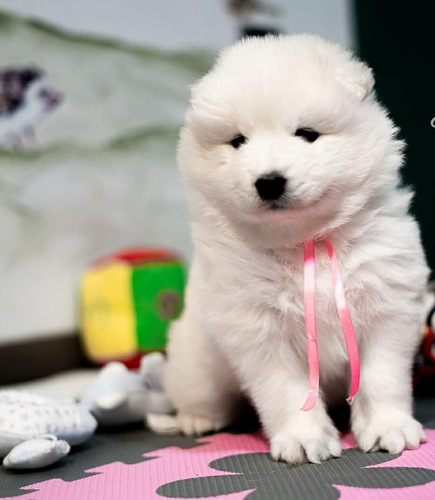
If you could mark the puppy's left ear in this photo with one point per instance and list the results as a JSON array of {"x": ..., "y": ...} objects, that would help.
[{"x": 357, "y": 78}]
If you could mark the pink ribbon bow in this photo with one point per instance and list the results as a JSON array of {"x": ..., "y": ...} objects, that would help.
[{"x": 311, "y": 325}]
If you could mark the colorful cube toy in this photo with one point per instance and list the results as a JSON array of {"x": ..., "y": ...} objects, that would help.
[{"x": 128, "y": 300}]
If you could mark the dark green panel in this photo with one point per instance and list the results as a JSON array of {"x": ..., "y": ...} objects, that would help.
[{"x": 397, "y": 39}]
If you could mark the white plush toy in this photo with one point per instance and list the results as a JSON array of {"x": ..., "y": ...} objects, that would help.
[
  {"x": 119, "y": 396},
  {"x": 36, "y": 431}
]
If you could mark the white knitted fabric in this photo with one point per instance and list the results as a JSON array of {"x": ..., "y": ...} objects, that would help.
[
  {"x": 24, "y": 415},
  {"x": 29, "y": 415}
]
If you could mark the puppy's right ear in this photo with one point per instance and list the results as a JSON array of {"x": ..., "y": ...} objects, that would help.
[
  {"x": 357, "y": 78},
  {"x": 204, "y": 99}
]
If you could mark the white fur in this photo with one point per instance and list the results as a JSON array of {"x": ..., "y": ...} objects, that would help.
[{"x": 242, "y": 331}]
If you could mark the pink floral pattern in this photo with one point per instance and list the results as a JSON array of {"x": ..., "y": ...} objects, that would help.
[{"x": 140, "y": 481}]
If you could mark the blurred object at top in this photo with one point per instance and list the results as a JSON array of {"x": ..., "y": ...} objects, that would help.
[
  {"x": 25, "y": 100},
  {"x": 255, "y": 18}
]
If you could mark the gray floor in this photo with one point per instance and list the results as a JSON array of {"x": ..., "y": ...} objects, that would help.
[{"x": 306, "y": 482}]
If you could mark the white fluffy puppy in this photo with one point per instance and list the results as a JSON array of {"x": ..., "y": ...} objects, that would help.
[{"x": 285, "y": 142}]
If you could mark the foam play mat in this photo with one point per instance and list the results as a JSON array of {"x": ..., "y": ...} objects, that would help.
[{"x": 133, "y": 464}]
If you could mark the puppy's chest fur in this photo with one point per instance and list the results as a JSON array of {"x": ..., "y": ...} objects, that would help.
[{"x": 260, "y": 303}]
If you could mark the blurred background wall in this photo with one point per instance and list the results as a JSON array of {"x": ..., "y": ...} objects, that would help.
[
  {"x": 172, "y": 24},
  {"x": 98, "y": 173}
]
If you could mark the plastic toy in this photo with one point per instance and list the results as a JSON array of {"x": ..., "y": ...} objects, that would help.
[
  {"x": 127, "y": 301},
  {"x": 119, "y": 396},
  {"x": 37, "y": 431}
]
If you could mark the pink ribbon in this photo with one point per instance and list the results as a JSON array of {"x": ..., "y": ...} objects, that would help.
[{"x": 311, "y": 325}]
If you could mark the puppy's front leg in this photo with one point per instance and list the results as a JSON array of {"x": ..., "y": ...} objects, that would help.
[
  {"x": 278, "y": 385},
  {"x": 198, "y": 380},
  {"x": 382, "y": 410}
]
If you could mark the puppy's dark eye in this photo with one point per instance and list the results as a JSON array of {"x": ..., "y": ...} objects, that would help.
[
  {"x": 308, "y": 134},
  {"x": 238, "y": 141}
]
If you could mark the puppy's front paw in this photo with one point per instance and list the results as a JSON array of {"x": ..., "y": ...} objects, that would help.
[
  {"x": 306, "y": 443},
  {"x": 389, "y": 431},
  {"x": 192, "y": 425}
]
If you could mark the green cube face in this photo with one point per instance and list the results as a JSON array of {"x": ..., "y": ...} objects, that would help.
[{"x": 157, "y": 299}]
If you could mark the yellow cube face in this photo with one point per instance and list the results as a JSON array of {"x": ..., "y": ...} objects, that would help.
[{"x": 108, "y": 320}]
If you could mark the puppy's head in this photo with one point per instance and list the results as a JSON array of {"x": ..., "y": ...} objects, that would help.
[{"x": 285, "y": 140}]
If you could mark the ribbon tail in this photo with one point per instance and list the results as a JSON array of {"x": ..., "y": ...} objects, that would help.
[
  {"x": 313, "y": 375},
  {"x": 311, "y": 325},
  {"x": 346, "y": 324}
]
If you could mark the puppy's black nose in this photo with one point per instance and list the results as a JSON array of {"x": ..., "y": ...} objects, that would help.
[{"x": 270, "y": 187}]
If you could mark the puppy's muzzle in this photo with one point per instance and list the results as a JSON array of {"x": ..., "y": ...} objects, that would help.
[{"x": 270, "y": 187}]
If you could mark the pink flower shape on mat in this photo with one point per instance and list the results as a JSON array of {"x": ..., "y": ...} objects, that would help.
[
  {"x": 306, "y": 481},
  {"x": 423, "y": 458},
  {"x": 119, "y": 481},
  {"x": 233, "y": 455}
]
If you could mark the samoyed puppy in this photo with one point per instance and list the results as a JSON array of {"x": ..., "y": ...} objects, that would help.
[{"x": 284, "y": 142}]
